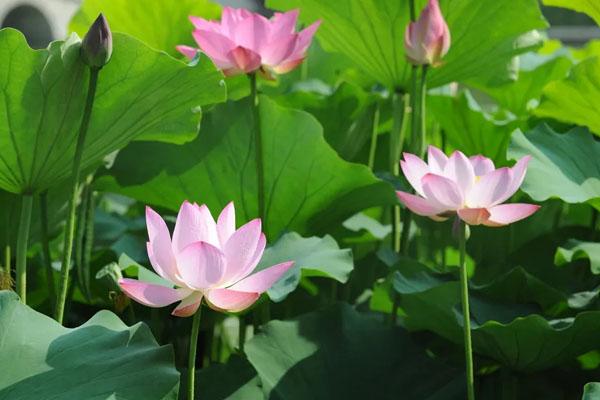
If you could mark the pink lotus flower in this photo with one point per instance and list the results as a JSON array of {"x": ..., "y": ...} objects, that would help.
[
  {"x": 204, "y": 259},
  {"x": 470, "y": 187},
  {"x": 244, "y": 41},
  {"x": 427, "y": 40}
]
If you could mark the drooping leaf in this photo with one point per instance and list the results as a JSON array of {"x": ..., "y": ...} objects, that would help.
[
  {"x": 370, "y": 34},
  {"x": 470, "y": 129},
  {"x": 562, "y": 165},
  {"x": 371, "y": 227},
  {"x": 591, "y": 391},
  {"x": 141, "y": 94},
  {"x": 575, "y": 99},
  {"x": 162, "y": 24},
  {"x": 346, "y": 135},
  {"x": 101, "y": 359},
  {"x": 589, "y": 7},
  {"x": 511, "y": 333},
  {"x": 312, "y": 256},
  {"x": 308, "y": 187},
  {"x": 235, "y": 380},
  {"x": 338, "y": 353},
  {"x": 576, "y": 249},
  {"x": 523, "y": 95}
]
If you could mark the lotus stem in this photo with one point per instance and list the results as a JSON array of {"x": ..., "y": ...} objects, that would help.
[
  {"x": 373, "y": 145},
  {"x": 260, "y": 175},
  {"x": 7, "y": 259},
  {"x": 47, "y": 258},
  {"x": 192, "y": 353},
  {"x": 400, "y": 110},
  {"x": 79, "y": 236},
  {"x": 89, "y": 239},
  {"x": 22, "y": 239},
  {"x": 75, "y": 175},
  {"x": 418, "y": 97},
  {"x": 243, "y": 324},
  {"x": 464, "y": 290}
]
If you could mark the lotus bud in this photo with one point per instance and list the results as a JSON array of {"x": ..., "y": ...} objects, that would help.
[
  {"x": 427, "y": 40},
  {"x": 96, "y": 47}
]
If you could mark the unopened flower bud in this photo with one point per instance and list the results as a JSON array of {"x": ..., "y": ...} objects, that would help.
[
  {"x": 96, "y": 47},
  {"x": 427, "y": 40}
]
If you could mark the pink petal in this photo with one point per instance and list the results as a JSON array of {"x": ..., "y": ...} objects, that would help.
[
  {"x": 518, "y": 174},
  {"x": 226, "y": 223},
  {"x": 194, "y": 224},
  {"x": 278, "y": 50},
  {"x": 442, "y": 192},
  {"x": 189, "y": 305},
  {"x": 252, "y": 33},
  {"x": 151, "y": 295},
  {"x": 262, "y": 280},
  {"x": 414, "y": 170},
  {"x": 287, "y": 66},
  {"x": 202, "y": 24},
  {"x": 230, "y": 300},
  {"x": 303, "y": 41},
  {"x": 305, "y": 37},
  {"x": 201, "y": 265},
  {"x": 482, "y": 165},
  {"x": 244, "y": 60},
  {"x": 243, "y": 251},
  {"x": 189, "y": 52},
  {"x": 427, "y": 40},
  {"x": 505, "y": 214},
  {"x": 459, "y": 169},
  {"x": 284, "y": 23},
  {"x": 436, "y": 159},
  {"x": 474, "y": 216},
  {"x": 419, "y": 205},
  {"x": 230, "y": 17},
  {"x": 159, "y": 247},
  {"x": 489, "y": 189},
  {"x": 216, "y": 46}
]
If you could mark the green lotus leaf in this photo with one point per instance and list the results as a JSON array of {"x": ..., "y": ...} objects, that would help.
[
  {"x": 101, "y": 359},
  {"x": 562, "y": 165},
  {"x": 162, "y": 24},
  {"x": 370, "y": 33},
  {"x": 313, "y": 256},
  {"x": 141, "y": 94},
  {"x": 308, "y": 186},
  {"x": 338, "y": 353}
]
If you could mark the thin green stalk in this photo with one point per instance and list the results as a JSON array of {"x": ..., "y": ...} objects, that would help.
[
  {"x": 7, "y": 259},
  {"x": 593, "y": 223},
  {"x": 464, "y": 290},
  {"x": 192, "y": 353},
  {"x": 418, "y": 98},
  {"x": 47, "y": 258},
  {"x": 260, "y": 175},
  {"x": 80, "y": 236},
  {"x": 22, "y": 238},
  {"x": 243, "y": 324},
  {"x": 400, "y": 110},
  {"x": 413, "y": 13},
  {"x": 373, "y": 145},
  {"x": 89, "y": 239},
  {"x": 70, "y": 227}
]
